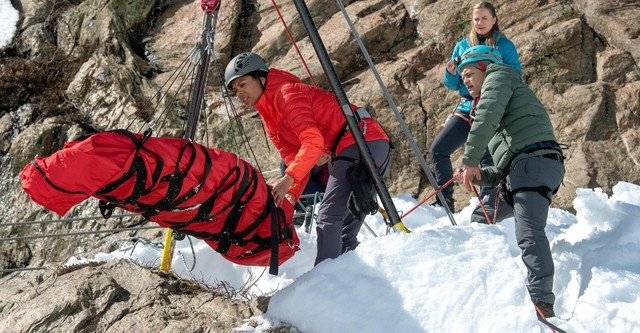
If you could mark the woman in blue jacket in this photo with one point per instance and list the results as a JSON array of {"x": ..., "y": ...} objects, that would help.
[{"x": 485, "y": 30}]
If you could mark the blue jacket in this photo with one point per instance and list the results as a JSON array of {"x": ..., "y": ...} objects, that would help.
[{"x": 454, "y": 82}]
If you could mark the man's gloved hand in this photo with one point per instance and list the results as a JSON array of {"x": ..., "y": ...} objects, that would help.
[
  {"x": 360, "y": 181},
  {"x": 210, "y": 6}
]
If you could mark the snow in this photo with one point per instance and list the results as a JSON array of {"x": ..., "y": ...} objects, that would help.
[
  {"x": 444, "y": 278},
  {"x": 8, "y": 19},
  {"x": 438, "y": 278}
]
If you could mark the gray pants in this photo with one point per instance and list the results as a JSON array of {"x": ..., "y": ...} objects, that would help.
[
  {"x": 336, "y": 228},
  {"x": 530, "y": 209}
]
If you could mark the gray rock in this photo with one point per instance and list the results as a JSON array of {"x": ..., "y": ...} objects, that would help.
[{"x": 117, "y": 296}]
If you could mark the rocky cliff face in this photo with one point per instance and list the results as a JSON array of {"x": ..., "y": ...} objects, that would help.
[
  {"x": 118, "y": 297},
  {"x": 101, "y": 62}
]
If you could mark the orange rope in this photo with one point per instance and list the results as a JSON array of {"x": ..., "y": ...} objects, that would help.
[
  {"x": 428, "y": 197},
  {"x": 293, "y": 42}
]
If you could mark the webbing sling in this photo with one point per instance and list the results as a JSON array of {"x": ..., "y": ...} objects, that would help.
[
  {"x": 229, "y": 235},
  {"x": 273, "y": 267},
  {"x": 343, "y": 131},
  {"x": 277, "y": 234},
  {"x": 138, "y": 169},
  {"x": 175, "y": 179},
  {"x": 205, "y": 208},
  {"x": 360, "y": 113}
]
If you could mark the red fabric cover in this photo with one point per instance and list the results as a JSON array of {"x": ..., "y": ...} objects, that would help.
[
  {"x": 210, "y": 6},
  {"x": 87, "y": 166},
  {"x": 303, "y": 122}
]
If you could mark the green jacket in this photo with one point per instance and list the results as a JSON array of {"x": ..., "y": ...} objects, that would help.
[{"x": 508, "y": 118}]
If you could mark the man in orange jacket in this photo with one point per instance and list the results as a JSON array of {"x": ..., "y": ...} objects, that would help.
[{"x": 307, "y": 127}]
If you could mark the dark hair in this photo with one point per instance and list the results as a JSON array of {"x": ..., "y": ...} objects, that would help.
[
  {"x": 473, "y": 36},
  {"x": 258, "y": 75}
]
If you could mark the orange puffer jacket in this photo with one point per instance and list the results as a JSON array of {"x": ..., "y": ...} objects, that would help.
[{"x": 303, "y": 122}]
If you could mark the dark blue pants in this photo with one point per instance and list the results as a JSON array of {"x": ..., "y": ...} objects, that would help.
[{"x": 453, "y": 136}]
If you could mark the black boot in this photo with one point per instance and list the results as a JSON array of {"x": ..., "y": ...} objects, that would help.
[{"x": 546, "y": 309}]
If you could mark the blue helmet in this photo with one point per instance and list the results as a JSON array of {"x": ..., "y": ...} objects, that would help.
[
  {"x": 243, "y": 64},
  {"x": 475, "y": 54}
]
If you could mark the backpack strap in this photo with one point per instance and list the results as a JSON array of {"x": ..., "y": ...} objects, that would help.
[
  {"x": 275, "y": 243},
  {"x": 171, "y": 200},
  {"x": 228, "y": 235},
  {"x": 137, "y": 168}
]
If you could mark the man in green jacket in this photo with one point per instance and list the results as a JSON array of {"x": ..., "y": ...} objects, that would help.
[{"x": 511, "y": 121}]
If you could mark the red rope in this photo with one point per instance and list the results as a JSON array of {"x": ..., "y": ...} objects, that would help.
[
  {"x": 543, "y": 317},
  {"x": 293, "y": 42},
  {"x": 428, "y": 197},
  {"x": 482, "y": 205}
]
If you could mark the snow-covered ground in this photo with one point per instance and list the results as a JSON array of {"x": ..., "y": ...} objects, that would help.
[
  {"x": 444, "y": 278},
  {"x": 439, "y": 278}
]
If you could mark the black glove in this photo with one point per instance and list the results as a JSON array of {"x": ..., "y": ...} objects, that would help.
[
  {"x": 361, "y": 202},
  {"x": 506, "y": 195},
  {"x": 178, "y": 235},
  {"x": 354, "y": 209}
]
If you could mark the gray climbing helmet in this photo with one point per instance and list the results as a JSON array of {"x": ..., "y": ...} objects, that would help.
[{"x": 243, "y": 64}]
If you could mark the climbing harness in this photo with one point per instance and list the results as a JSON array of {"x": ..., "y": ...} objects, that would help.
[
  {"x": 544, "y": 191},
  {"x": 361, "y": 115},
  {"x": 502, "y": 188}
]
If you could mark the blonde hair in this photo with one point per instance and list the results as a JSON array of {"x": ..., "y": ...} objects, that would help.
[{"x": 473, "y": 36}]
